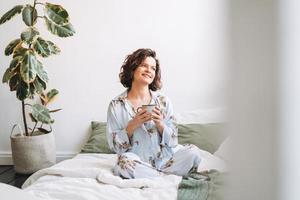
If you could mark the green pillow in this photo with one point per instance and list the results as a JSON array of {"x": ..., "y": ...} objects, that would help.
[
  {"x": 97, "y": 143},
  {"x": 207, "y": 137}
]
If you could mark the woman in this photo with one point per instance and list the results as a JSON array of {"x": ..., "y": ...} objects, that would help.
[{"x": 145, "y": 141}]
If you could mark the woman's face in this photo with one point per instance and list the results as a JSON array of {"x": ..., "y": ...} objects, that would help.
[{"x": 145, "y": 72}]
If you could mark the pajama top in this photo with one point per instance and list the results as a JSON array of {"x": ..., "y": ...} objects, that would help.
[{"x": 146, "y": 142}]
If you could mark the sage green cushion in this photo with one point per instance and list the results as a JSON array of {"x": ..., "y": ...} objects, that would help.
[
  {"x": 97, "y": 142},
  {"x": 207, "y": 137}
]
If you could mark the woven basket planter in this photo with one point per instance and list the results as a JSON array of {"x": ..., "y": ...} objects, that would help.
[{"x": 32, "y": 153}]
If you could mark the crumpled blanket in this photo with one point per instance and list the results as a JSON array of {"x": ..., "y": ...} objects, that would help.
[{"x": 208, "y": 185}]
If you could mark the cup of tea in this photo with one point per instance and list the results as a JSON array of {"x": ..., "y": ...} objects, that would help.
[{"x": 148, "y": 107}]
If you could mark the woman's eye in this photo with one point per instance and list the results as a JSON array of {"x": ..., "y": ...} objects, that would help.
[{"x": 147, "y": 66}]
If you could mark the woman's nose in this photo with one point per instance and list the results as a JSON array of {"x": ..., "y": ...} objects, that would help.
[{"x": 148, "y": 68}]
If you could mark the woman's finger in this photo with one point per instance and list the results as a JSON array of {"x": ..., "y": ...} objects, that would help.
[
  {"x": 146, "y": 118},
  {"x": 141, "y": 112},
  {"x": 156, "y": 120},
  {"x": 156, "y": 109},
  {"x": 156, "y": 116},
  {"x": 145, "y": 115},
  {"x": 142, "y": 116},
  {"x": 157, "y": 112}
]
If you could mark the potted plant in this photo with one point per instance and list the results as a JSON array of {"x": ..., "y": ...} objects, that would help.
[{"x": 34, "y": 148}]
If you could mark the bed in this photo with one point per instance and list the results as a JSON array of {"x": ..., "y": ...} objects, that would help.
[{"x": 89, "y": 175}]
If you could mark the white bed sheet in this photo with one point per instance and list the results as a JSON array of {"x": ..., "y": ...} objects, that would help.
[
  {"x": 89, "y": 177},
  {"x": 80, "y": 178}
]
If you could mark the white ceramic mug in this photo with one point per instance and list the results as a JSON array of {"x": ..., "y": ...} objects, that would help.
[{"x": 148, "y": 107}]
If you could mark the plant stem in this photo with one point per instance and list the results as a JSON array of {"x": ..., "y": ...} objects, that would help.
[
  {"x": 24, "y": 118},
  {"x": 34, "y": 128}
]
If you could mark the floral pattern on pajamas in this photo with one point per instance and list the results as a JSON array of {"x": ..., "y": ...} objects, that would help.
[{"x": 147, "y": 151}]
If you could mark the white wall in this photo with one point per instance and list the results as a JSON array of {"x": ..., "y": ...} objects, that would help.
[{"x": 189, "y": 37}]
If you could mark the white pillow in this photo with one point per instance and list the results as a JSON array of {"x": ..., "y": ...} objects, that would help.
[
  {"x": 210, "y": 161},
  {"x": 9, "y": 192},
  {"x": 202, "y": 116},
  {"x": 224, "y": 149}
]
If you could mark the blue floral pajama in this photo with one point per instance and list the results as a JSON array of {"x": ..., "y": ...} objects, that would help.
[{"x": 147, "y": 153}]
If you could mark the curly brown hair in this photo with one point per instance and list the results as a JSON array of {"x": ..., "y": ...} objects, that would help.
[{"x": 132, "y": 61}]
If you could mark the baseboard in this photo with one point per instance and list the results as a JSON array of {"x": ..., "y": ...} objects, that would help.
[
  {"x": 6, "y": 157},
  {"x": 60, "y": 156}
]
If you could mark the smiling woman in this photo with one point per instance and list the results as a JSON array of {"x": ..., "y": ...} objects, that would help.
[
  {"x": 146, "y": 141},
  {"x": 144, "y": 60}
]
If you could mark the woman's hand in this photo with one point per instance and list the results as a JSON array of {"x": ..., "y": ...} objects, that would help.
[
  {"x": 157, "y": 117},
  {"x": 141, "y": 117}
]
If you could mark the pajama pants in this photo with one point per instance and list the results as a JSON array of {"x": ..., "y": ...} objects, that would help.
[{"x": 184, "y": 159}]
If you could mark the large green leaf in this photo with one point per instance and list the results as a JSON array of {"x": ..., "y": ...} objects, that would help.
[
  {"x": 41, "y": 47},
  {"x": 61, "y": 31},
  {"x": 29, "y": 15},
  {"x": 41, "y": 114},
  {"x": 51, "y": 95},
  {"x": 22, "y": 90},
  {"x": 7, "y": 75},
  {"x": 19, "y": 50},
  {"x": 12, "y": 70},
  {"x": 57, "y": 14},
  {"x": 12, "y": 12},
  {"x": 53, "y": 48},
  {"x": 44, "y": 131},
  {"x": 32, "y": 90},
  {"x": 11, "y": 46},
  {"x": 29, "y": 35},
  {"x": 45, "y": 48},
  {"x": 39, "y": 85},
  {"x": 15, "y": 62},
  {"x": 44, "y": 84},
  {"x": 14, "y": 82},
  {"x": 29, "y": 67},
  {"x": 41, "y": 73}
]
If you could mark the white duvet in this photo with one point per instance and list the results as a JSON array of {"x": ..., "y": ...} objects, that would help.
[{"x": 89, "y": 177}]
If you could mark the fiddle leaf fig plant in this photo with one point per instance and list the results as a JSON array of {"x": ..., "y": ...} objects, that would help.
[{"x": 26, "y": 74}]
